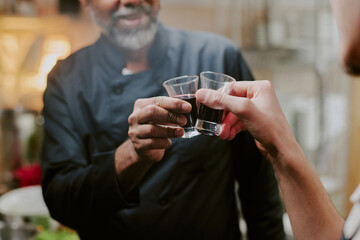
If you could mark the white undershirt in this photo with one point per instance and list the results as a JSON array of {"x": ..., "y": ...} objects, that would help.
[
  {"x": 125, "y": 71},
  {"x": 352, "y": 224}
]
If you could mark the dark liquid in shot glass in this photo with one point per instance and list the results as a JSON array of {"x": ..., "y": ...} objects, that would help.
[
  {"x": 192, "y": 115},
  {"x": 210, "y": 119},
  {"x": 209, "y": 114}
]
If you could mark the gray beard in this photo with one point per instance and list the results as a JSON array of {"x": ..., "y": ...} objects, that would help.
[
  {"x": 135, "y": 40},
  {"x": 132, "y": 40}
]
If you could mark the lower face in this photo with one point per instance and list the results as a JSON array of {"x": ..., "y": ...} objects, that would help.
[{"x": 129, "y": 28}]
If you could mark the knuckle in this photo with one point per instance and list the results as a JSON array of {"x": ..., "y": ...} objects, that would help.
[
  {"x": 152, "y": 130},
  {"x": 132, "y": 134},
  {"x": 167, "y": 142},
  {"x": 267, "y": 84},
  {"x": 152, "y": 109},
  {"x": 245, "y": 107},
  {"x": 171, "y": 118},
  {"x": 132, "y": 119},
  {"x": 178, "y": 104},
  {"x": 137, "y": 146},
  {"x": 218, "y": 97},
  {"x": 158, "y": 101},
  {"x": 151, "y": 143},
  {"x": 138, "y": 102}
]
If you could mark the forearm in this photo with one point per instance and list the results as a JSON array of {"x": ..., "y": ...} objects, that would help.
[{"x": 311, "y": 212}]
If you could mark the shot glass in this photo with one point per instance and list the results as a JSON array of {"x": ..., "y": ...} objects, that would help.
[
  {"x": 209, "y": 119},
  {"x": 184, "y": 88}
]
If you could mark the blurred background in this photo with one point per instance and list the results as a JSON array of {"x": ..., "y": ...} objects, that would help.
[{"x": 294, "y": 44}]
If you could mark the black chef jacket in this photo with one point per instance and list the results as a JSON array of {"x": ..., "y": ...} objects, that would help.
[{"x": 190, "y": 192}]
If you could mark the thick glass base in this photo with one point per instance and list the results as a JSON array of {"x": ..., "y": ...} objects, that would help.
[
  {"x": 208, "y": 128},
  {"x": 190, "y": 132}
]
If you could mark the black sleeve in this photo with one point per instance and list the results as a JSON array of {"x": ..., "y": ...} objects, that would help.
[
  {"x": 76, "y": 187},
  {"x": 235, "y": 65},
  {"x": 258, "y": 188}
]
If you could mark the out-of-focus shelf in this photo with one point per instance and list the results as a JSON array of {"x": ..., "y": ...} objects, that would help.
[{"x": 30, "y": 47}]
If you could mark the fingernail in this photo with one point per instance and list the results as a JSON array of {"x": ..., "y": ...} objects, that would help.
[
  {"x": 179, "y": 132},
  {"x": 186, "y": 107},
  {"x": 200, "y": 95}
]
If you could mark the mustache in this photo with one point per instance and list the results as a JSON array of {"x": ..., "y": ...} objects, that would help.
[{"x": 132, "y": 10}]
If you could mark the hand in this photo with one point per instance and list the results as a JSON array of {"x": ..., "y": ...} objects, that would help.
[
  {"x": 148, "y": 138},
  {"x": 252, "y": 106}
]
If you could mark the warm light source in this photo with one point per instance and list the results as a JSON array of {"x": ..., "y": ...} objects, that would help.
[
  {"x": 9, "y": 48},
  {"x": 55, "y": 48},
  {"x": 29, "y": 49}
]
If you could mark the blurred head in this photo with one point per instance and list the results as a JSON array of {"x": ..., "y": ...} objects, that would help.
[
  {"x": 347, "y": 14},
  {"x": 129, "y": 24}
]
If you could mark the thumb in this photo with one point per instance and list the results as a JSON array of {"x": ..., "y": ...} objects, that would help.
[{"x": 212, "y": 98}]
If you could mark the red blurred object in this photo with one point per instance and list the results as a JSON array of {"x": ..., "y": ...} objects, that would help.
[{"x": 28, "y": 175}]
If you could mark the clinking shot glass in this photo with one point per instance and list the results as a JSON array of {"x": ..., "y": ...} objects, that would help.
[
  {"x": 209, "y": 119},
  {"x": 184, "y": 88}
]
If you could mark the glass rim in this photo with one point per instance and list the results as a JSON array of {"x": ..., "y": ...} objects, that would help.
[
  {"x": 202, "y": 74},
  {"x": 194, "y": 79}
]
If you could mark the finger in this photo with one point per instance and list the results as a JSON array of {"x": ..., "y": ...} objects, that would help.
[
  {"x": 239, "y": 89},
  {"x": 231, "y": 122},
  {"x": 235, "y": 129},
  {"x": 236, "y": 123},
  {"x": 168, "y": 103},
  {"x": 151, "y": 143},
  {"x": 155, "y": 131},
  {"x": 152, "y": 113},
  {"x": 226, "y": 125},
  {"x": 225, "y": 131},
  {"x": 217, "y": 100},
  {"x": 248, "y": 88}
]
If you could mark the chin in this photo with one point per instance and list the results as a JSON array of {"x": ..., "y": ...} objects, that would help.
[{"x": 134, "y": 41}]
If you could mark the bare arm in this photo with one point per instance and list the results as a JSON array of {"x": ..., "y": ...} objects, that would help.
[
  {"x": 310, "y": 210},
  {"x": 253, "y": 106}
]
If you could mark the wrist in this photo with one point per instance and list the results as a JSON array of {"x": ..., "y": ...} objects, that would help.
[
  {"x": 126, "y": 157},
  {"x": 283, "y": 149},
  {"x": 129, "y": 168},
  {"x": 289, "y": 158}
]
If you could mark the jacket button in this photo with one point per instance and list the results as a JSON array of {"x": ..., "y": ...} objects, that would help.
[{"x": 118, "y": 89}]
